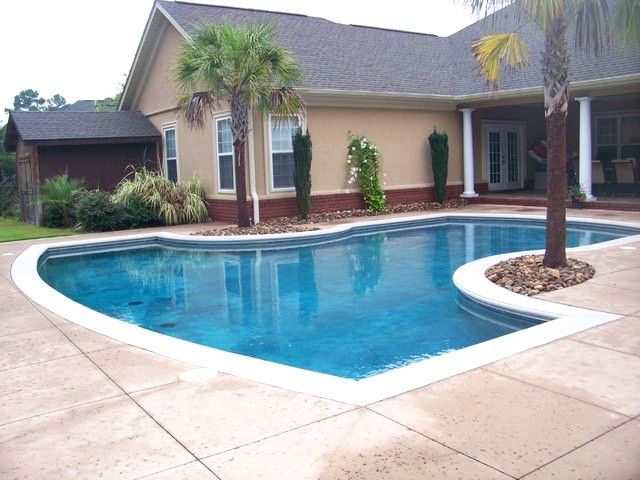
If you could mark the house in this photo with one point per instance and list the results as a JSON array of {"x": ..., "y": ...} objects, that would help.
[
  {"x": 98, "y": 147},
  {"x": 393, "y": 87},
  {"x": 105, "y": 105}
]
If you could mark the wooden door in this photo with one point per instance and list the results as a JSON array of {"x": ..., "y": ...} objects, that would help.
[{"x": 27, "y": 189}]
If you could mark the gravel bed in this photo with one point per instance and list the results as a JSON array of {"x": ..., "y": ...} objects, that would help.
[
  {"x": 527, "y": 275},
  {"x": 296, "y": 224}
]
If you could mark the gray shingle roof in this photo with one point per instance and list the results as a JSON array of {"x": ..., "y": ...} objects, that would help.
[
  {"x": 88, "y": 106},
  {"x": 354, "y": 58},
  {"x": 43, "y": 126}
]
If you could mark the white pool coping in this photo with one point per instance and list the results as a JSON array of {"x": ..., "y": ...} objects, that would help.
[{"x": 469, "y": 279}]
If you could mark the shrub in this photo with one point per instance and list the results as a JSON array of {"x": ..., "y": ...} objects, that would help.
[
  {"x": 173, "y": 203},
  {"x": 58, "y": 194},
  {"x": 439, "y": 142},
  {"x": 8, "y": 196},
  {"x": 96, "y": 212},
  {"x": 302, "y": 171},
  {"x": 364, "y": 163},
  {"x": 137, "y": 214}
]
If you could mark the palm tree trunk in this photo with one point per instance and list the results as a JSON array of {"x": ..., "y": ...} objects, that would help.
[
  {"x": 555, "y": 65},
  {"x": 240, "y": 131},
  {"x": 555, "y": 253}
]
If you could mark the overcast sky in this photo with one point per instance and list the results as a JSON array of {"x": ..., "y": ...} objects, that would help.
[{"x": 82, "y": 49}]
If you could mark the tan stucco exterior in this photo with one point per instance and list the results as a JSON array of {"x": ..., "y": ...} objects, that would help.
[{"x": 401, "y": 136}]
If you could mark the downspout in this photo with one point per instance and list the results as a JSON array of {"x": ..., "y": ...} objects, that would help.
[{"x": 252, "y": 173}]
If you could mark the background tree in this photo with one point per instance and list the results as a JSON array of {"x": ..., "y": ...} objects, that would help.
[
  {"x": 241, "y": 64},
  {"x": 7, "y": 159},
  {"x": 29, "y": 100},
  {"x": 55, "y": 102},
  {"x": 553, "y": 18}
]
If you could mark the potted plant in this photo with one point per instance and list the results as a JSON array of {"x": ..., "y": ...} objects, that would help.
[{"x": 576, "y": 195}]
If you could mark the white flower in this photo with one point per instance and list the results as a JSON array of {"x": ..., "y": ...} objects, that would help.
[
  {"x": 350, "y": 181},
  {"x": 349, "y": 161},
  {"x": 349, "y": 156},
  {"x": 353, "y": 148},
  {"x": 375, "y": 153},
  {"x": 364, "y": 140}
]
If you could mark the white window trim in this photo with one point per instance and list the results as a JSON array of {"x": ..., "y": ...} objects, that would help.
[
  {"x": 618, "y": 116},
  {"x": 269, "y": 157},
  {"x": 170, "y": 126},
  {"x": 218, "y": 117}
]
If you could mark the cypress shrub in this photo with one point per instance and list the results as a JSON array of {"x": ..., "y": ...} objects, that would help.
[
  {"x": 302, "y": 171},
  {"x": 439, "y": 142}
]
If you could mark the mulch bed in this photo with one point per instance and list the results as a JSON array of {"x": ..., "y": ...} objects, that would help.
[
  {"x": 296, "y": 224},
  {"x": 527, "y": 275}
]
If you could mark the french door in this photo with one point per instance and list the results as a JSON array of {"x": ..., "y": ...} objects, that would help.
[{"x": 503, "y": 155}]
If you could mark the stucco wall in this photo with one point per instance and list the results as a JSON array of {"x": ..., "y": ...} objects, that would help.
[
  {"x": 401, "y": 136},
  {"x": 159, "y": 92}
]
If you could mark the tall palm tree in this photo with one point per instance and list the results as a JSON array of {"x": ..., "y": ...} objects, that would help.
[
  {"x": 553, "y": 18},
  {"x": 244, "y": 66}
]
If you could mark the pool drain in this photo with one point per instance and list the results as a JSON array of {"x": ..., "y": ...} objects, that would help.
[
  {"x": 167, "y": 325},
  {"x": 135, "y": 302}
]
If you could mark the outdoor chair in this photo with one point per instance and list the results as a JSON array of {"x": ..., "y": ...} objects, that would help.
[
  {"x": 626, "y": 175},
  {"x": 598, "y": 178}
]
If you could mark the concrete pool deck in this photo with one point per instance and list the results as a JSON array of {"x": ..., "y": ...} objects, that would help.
[{"x": 75, "y": 404}]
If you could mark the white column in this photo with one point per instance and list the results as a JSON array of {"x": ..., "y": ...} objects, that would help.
[
  {"x": 467, "y": 141},
  {"x": 584, "y": 173}
]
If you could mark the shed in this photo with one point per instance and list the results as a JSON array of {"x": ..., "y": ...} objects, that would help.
[{"x": 97, "y": 147}]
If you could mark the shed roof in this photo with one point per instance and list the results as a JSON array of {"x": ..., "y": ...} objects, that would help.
[{"x": 68, "y": 127}]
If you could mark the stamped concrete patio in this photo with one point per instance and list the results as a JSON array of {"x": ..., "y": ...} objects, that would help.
[{"x": 77, "y": 405}]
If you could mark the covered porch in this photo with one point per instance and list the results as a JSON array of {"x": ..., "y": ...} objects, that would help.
[{"x": 505, "y": 153}]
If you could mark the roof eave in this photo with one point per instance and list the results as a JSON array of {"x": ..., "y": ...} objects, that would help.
[
  {"x": 349, "y": 98},
  {"x": 48, "y": 142}
]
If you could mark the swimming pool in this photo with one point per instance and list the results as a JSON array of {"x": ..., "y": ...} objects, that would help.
[{"x": 353, "y": 304}]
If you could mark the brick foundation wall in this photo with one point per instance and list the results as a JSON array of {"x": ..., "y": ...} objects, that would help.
[{"x": 225, "y": 210}]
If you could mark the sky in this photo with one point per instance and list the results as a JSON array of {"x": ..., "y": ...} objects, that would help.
[{"x": 83, "y": 49}]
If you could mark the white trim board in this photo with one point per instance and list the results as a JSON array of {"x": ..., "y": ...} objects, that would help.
[{"x": 469, "y": 278}]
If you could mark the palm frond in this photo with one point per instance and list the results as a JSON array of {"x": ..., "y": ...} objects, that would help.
[
  {"x": 626, "y": 22},
  {"x": 545, "y": 12},
  {"x": 592, "y": 27},
  {"x": 198, "y": 107},
  {"x": 486, "y": 7},
  {"x": 493, "y": 51}
]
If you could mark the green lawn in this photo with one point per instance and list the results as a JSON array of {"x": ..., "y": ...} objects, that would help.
[{"x": 12, "y": 229}]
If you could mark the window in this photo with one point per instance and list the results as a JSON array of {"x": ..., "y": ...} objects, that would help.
[
  {"x": 282, "y": 130},
  {"x": 618, "y": 136},
  {"x": 170, "y": 153},
  {"x": 224, "y": 142}
]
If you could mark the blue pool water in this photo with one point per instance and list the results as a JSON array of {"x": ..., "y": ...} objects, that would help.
[{"x": 352, "y": 307}]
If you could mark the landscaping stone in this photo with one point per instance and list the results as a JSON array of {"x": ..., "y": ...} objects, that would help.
[
  {"x": 296, "y": 224},
  {"x": 527, "y": 275}
]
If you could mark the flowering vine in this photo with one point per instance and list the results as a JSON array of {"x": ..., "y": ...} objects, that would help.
[{"x": 364, "y": 163}]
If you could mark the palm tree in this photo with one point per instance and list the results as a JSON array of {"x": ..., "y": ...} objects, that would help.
[
  {"x": 243, "y": 65},
  {"x": 553, "y": 18}
]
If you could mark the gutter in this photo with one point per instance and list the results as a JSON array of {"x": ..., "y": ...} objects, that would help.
[{"x": 252, "y": 173}]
